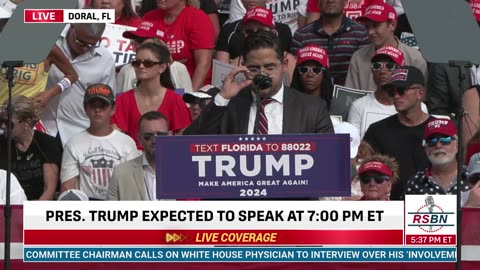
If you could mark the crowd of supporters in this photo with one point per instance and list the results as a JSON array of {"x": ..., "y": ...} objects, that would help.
[{"x": 82, "y": 123}]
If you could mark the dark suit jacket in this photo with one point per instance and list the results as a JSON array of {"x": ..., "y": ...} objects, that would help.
[
  {"x": 301, "y": 114},
  {"x": 443, "y": 94}
]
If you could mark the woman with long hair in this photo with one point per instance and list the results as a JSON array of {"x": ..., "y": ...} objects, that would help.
[
  {"x": 124, "y": 12},
  {"x": 311, "y": 74},
  {"x": 35, "y": 157},
  {"x": 153, "y": 93}
]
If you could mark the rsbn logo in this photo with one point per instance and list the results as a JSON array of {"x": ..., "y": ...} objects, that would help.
[{"x": 430, "y": 217}]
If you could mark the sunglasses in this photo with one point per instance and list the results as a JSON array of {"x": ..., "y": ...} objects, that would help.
[
  {"x": 202, "y": 103},
  {"x": 83, "y": 43},
  {"x": 365, "y": 179},
  {"x": 401, "y": 91},
  {"x": 146, "y": 63},
  {"x": 388, "y": 66},
  {"x": 150, "y": 135},
  {"x": 431, "y": 142},
  {"x": 316, "y": 69}
]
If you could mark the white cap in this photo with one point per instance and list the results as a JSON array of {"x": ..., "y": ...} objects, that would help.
[{"x": 347, "y": 128}]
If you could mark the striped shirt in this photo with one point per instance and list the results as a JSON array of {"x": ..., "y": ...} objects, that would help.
[{"x": 340, "y": 45}]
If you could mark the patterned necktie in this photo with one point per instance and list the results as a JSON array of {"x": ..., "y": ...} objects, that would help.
[{"x": 262, "y": 120}]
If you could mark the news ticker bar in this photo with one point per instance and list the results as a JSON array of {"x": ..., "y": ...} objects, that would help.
[
  {"x": 211, "y": 237},
  {"x": 69, "y": 15},
  {"x": 246, "y": 254},
  {"x": 311, "y": 223}
]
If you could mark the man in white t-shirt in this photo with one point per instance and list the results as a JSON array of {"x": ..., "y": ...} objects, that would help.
[
  {"x": 90, "y": 156},
  {"x": 17, "y": 195},
  {"x": 377, "y": 105}
]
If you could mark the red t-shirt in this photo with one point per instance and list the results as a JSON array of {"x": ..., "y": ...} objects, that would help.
[
  {"x": 133, "y": 21},
  {"x": 191, "y": 30},
  {"x": 127, "y": 114},
  {"x": 352, "y": 10}
]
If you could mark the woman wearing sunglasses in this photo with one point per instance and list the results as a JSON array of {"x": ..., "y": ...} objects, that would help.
[
  {"x": 311, "y": 74},
  {"x": 377, "y": 174},
  {"x": 35, "y": 157},
  {"x": 153, "y": 93}
]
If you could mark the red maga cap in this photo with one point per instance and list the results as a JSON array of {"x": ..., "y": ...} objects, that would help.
[
  {"x": 315, "y": 53},
  {"x": 376, "y": 166},
  {"x": 391, "y": 52},
  {"x": 379, "y": 12},
  {"x": 440, "y": 126},
  {"x": 146, "y": 29},
  {"x": 261, "y": 15}
]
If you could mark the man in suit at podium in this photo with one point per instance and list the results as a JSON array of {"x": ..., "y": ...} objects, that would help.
[{"x": 282, "y": 110}]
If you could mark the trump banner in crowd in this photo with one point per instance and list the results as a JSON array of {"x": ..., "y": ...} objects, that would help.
[
  {"x": 122, "y": 50},
  {"x": 253, "y": 166}
]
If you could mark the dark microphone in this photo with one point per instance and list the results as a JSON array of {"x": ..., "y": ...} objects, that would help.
[{"x": 261, "y": 81}]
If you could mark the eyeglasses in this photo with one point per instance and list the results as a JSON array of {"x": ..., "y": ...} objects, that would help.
[
  {"x": 268, "y": 70},
  {"x": 150, "y": 135},
  {"x": 431, "y": 142},
  {"x": 316, "y": 69},
  {"x": 146, "y": 63},
  {"x": 83, "y": 43},
  {"x": 401, "y": 91},
  {"x": 365, "y": 179},
  {"x": 379, "y": 65}
]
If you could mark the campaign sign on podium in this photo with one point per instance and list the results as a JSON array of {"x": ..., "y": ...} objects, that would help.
[{"x": 253, "y": 166}]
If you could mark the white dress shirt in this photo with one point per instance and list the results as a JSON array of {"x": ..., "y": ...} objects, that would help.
[
  {"x": 65, "y": 114},
  {"x": 273, "y": 112},
  {"x": 150, "y": 181}
]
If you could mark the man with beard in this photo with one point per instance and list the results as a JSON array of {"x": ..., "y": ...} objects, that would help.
[
  {"x": 334, "y": 32},
  {"x": 135, "y": 180},
  {"x": 281, "y": 109},
  {"x": 441, "y": 147}
]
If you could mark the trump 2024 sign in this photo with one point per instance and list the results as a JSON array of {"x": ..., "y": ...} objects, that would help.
[{"x": 253, "y": 166}]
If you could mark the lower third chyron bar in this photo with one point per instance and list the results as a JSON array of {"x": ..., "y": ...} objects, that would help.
[{"x": 234, "y": 231}]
